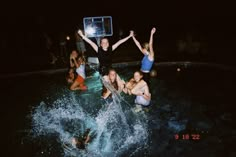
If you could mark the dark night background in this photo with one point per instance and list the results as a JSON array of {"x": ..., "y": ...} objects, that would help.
[
  {"x": 207, "y": 29},
  {"x": 210, "y": 25}
]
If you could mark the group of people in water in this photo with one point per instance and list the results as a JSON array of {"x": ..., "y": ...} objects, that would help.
[{"x": 138, "y": 85}]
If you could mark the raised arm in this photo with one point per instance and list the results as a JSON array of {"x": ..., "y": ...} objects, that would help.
[
  {"x": 90, "y": 42},
  {"x": 151, "y": 42},
  {"x": 138, "y": 44},
  {"x": 71, "y": 63},
  {"x": 122, "y": 41}
]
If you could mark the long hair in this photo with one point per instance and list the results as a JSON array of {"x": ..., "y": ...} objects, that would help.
[{"x": 114, "y": 84}]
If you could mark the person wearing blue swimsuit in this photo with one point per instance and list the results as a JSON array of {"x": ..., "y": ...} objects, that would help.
[{"x": 148, "y": 59}]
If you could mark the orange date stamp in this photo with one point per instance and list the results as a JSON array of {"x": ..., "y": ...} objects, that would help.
[{"x": 187, "y": 136}]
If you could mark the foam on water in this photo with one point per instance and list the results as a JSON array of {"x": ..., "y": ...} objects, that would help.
[{"x": 115, "y": 132}]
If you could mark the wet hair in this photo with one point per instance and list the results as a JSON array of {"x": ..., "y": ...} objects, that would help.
[{"x": 114, "y": 84}]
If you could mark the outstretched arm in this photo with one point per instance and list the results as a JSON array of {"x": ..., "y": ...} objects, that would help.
[
  {"x": 151, "y": 42},
  {"x": 122, "y": 41},
  {"x": 71, "y": 63},
  {"x": 138, "y": 44},
  {"x": 90, "y": 42}
]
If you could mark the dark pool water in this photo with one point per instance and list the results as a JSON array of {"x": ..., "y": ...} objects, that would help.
[{"x": 192, "y": 114}]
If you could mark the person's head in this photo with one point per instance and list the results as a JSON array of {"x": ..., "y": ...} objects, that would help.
[
  {"x": 112, "y": 75},
  {"x": 138, "y": 75},
  {"x": 74, "y": 54},
  {"x": 71, "y": 71},
  {"x": 70, "y": 75},
  {"x": 104, "y": 43},
  {"x": 145, "y": 46}
]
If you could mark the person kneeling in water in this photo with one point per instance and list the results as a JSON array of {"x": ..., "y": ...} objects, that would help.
[
  {"x": 115, "y": 81},
  {"x": 148, "y": 58},
  {"x": 137, "y": 86}
]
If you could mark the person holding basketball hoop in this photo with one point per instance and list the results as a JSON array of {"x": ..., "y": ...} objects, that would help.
[{"x": 104, "y": 51}]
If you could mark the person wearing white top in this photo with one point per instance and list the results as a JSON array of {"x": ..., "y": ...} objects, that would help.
[{"x": 79, "y": 84}]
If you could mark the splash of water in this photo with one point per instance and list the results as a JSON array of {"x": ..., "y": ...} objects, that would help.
[{"x": 116, "y": 132}]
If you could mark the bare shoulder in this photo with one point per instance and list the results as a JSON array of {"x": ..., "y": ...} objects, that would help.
[{"x": 142, "y": 82}]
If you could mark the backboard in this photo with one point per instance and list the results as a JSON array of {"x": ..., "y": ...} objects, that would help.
[{"x": 99, "y": 26}]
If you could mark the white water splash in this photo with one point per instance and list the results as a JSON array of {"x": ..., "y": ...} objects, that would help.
[{"x": 115, "y": 130}]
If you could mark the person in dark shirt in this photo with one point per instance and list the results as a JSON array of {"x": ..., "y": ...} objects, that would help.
[{"x": 104, "y": 51}]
